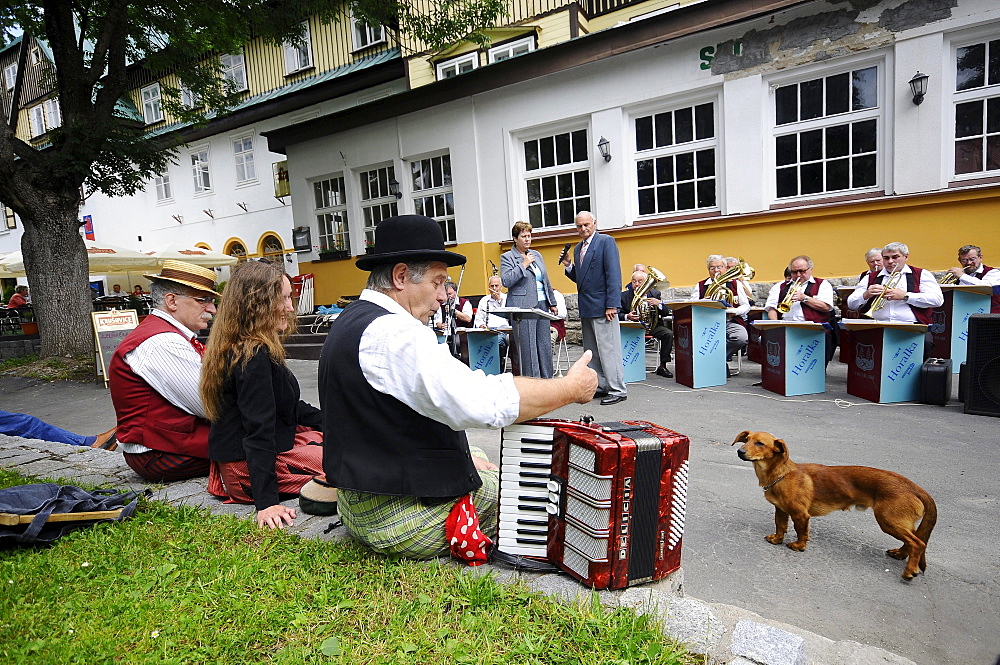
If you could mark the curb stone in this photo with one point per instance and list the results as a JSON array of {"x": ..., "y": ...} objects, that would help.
[{"x": 725, "y": 634}]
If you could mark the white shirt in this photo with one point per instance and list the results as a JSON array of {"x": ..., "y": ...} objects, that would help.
[
  {"x": 466, "y": 309},
  {"x": 899, "y": 311},
  {"x": 825, "y": 294},
  {"x": 990, "y": 278},
  {"x": 483, "y": 316},
  {"x": 742, "y": 302},
  {"x": 172, "y": 367},
  {"x": 560, "y": 304},
  {"x": 401, "y": 357}
]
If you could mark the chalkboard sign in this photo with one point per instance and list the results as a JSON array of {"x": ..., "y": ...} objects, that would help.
[{"x": 110, "y": 328}]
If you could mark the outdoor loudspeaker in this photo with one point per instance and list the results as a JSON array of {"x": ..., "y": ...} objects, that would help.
[{"x": 982, "y": 395}]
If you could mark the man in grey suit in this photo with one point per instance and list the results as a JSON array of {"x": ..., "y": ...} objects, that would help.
[{"x": 597, "y": 272}]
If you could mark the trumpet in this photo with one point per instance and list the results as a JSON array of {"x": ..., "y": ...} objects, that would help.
[
  {"x": 879, "y": 301},
  {"x": 717, "y": 289},
  {"x": 648, "y": 315},
  {"x": 786, "y": 303},
  {"x": 949, "y": 277}
]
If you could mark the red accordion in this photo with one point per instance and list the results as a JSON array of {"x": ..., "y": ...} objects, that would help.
[{"x": 604, "y": 502}]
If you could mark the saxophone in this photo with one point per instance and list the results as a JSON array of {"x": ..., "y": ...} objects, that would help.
[{"x": 648, "y": 315}]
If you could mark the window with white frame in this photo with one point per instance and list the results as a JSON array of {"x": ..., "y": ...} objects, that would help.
[
  {"x": 377, "y": 200},
  {"x": 676, "y": 160},
  {"x": 152, "y": 110},
  {"x": 432, "y": 192},
  {"x": 298, "y": 54},
  {"x": 331, "y": 215},
  {"x": 10, "y": 221},
  {"x": 35, "y": 55},
  {"x": 463, "y": 64},
  {"x": 234, "y": 70},
  {"x": 189, "y": 99},
  {"x": 557, "y": 177},
  {"x": 365, "y": 35},
  {"x": 511, "y": 49},
  {"x": 243, "y": 155},
  {"x": 977, "y": 108},
  {"x": 53, "y": 116},
  {"x": 10, "y": 76},
  {"x": 36, "y": 115},
  {"x": 200, "y": 171},
  {"x": 163, "y": 190},
  {"x": 827, "y": 134}
]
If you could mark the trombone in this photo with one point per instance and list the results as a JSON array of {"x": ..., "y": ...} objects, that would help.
[{"x": 880, "y": 300}]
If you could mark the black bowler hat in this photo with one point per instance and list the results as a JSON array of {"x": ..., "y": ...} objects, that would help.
[{"x": 408, "y": 239}]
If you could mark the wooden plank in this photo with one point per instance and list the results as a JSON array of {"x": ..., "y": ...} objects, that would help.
[{"x": 10, "y": 519}]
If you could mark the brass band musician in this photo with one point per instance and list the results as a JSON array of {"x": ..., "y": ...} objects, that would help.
[
  {"x": 907, "y": 294},
  {"x": 660, "y": 331},
  {"x": 804, "y": 298},
  {"x": 974, "y": 273},
  {"x": 737, "y": 305}
]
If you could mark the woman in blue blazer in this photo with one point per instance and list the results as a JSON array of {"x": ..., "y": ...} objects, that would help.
[{"x": 523, "y": 272}]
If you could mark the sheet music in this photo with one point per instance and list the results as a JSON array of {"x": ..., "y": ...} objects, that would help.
[{"x": 525, "y": 310}]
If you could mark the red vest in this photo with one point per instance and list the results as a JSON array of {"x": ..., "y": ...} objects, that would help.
[
  {"x": 995, "y": 300},
  {"x": 144, "y": 417},
  {"x": 812, "y": 288},
  {"x": 922, "y": 314}
]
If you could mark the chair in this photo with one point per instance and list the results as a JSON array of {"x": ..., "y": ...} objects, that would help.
[
  {"x": 561, "y": 349},
  {"x": 10, "y": 321}
]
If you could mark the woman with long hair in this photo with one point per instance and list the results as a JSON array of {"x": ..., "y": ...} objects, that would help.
[
  {"x": 523, "y": 272},
  {"x": 252, "y": 398}
]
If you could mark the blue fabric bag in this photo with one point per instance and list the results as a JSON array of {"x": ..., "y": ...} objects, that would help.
[{"x": 44, "y": 499}]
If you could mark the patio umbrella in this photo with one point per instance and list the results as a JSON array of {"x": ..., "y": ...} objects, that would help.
[
  {"x": 197, "y": 255},
  {"x": 103, "y": 257}
]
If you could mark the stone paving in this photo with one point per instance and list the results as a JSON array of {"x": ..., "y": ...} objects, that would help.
[{"x": 724, "y": 633}]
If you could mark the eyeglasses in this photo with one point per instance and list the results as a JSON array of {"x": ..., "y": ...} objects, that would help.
[
  {"x": 799, "y": 272},
  {"x": 204, "y": 300}
]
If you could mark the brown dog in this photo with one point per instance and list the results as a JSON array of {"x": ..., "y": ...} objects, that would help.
[{"x": 801, "y": 491}]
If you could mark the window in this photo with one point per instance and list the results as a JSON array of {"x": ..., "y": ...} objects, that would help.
[
  {"x": 234, "y": 70},
  {"x": 298, "y": 55},
  {"x": 827, "y": 136},
  {"x": 10, "y": 76},
  {"x": 460, "y": 65},
  {"x": 977, "y": 108},
  {"x": 557, "y": 178},
  {"x": 200, "y": 171},
  {"x": 243, "y": 154},
  {"x": 511, "y": 49},
  {"x": 331, "y": 215},
  {"x": 35, "y": 55},
  {"x": 152, "y": 111},
  {"x": 189, "y": 99},
  {"x": 163, "y": 192},
  {"x": 36, "y": 114},
  {"x": 377, "y": 202},
  {"x": 366, "y": 35},
  {"x": 53, "y": 116},
  {"x": 432, "y": 192},
  {"x": 676, "y": 160},
  {"x": 10, "y": 222}
]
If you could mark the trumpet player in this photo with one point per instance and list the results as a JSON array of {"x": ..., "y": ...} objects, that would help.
[
  {"x": 660, "y": 332},
  {"x": 737, "y": 305},
  {"x": 911, "y": 299},
  {"x": 804, "y": 298},
  {"x": 974, "y": 273}
]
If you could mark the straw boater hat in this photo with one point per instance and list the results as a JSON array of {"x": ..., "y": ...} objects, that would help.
[
  {"x": 407, "y": 239},
  {"x": 188, "y": 274},
  {"x": 318, "y": 497}
]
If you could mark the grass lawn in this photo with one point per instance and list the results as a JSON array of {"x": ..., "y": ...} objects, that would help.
[{"x": 174, "y": 585}]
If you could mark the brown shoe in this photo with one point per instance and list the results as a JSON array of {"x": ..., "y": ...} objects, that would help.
[{"x": 106, "y": 440}]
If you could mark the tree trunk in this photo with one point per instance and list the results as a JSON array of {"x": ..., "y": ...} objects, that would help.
[{"x": 56, "y": 263}]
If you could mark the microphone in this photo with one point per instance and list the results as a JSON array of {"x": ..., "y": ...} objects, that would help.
[{"x": 565, "y": 251}]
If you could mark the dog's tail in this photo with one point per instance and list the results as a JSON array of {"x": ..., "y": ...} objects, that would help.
[{"x": 926, "y": 524}]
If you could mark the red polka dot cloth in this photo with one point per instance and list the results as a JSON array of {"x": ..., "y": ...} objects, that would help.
[{"x": 467, "y": 542}]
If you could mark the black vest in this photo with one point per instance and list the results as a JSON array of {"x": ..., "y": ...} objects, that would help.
[{"x": 375, "y": 443}]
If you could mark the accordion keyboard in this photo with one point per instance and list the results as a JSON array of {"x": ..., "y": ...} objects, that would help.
[{"x": 525, "y": 465}]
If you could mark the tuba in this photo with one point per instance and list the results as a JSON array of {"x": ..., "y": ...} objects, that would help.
[
  {"x": 717, "y": 289},
  {"x": 879, "y": 301},
  {"x": 786, "y": 303},
  {"x": 648, "y": 315}
]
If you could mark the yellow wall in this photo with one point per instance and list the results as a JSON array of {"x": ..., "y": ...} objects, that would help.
[
  {"x": 836, "y": 237},
  {"x": 631, "y": 11}
]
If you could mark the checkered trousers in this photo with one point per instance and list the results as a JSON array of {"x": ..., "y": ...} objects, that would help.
[{"x": 405, "y": 526}]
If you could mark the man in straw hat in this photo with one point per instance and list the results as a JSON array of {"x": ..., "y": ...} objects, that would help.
[
  {"x": 397, "y": 403},
  {"x": 154, "y": 377}
]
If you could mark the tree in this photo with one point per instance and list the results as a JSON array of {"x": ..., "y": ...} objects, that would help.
[{"x": 98, "y": 146}]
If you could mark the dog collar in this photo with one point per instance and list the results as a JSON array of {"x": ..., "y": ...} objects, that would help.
[{"x": 767, "y": 487}]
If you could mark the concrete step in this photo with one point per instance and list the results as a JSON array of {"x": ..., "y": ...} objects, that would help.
[{"x": 303, "y": 351}]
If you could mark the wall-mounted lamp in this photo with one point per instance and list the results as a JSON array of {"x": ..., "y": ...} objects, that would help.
[
  {"x": 209, "y": 213},
  {"x": 178, "y": 218},
  {"x": 242, "y": 205},
  {"x": 604, "y": 146},
  {"x": 918, "y": 86},
  {"x": 394, "y": 188}
]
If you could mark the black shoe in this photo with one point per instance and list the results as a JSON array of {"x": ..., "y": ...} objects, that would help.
[
  {"x": 613, "y": 399},
  {"x": 664, "y": 372},
  {"x": 600, "y": 394},
  {"x": 730, "y": 372}
]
